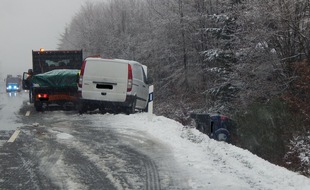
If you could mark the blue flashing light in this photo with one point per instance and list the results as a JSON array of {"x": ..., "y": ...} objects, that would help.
[{"x": 12, "y": 87}]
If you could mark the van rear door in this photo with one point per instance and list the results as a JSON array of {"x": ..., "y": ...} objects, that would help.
[{"x": 105, "y": 80}]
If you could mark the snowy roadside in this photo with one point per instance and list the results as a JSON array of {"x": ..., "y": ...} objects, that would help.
[{"x": 209, "y": 164}]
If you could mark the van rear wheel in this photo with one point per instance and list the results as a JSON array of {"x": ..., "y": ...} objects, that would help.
[{"x": 132, "y": 109}]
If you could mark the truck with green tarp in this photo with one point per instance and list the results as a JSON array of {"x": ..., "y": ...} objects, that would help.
[{"x": 54, "y": 77}]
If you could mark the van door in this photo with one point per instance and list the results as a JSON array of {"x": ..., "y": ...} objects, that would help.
[
  {"x": 105, "y": 80},
  {"x": 26, "y": 83},
  {"x": 145, "y": 92},
  {"x": 142, "y": 87}
]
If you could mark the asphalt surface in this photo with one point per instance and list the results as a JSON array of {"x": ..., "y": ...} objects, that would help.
[{"x": 58, "y": 149}]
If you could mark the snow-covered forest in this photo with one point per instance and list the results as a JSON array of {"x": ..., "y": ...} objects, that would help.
[{"x": 247, "y": 59}]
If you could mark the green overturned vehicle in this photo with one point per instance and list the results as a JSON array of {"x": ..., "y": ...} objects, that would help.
[{"x": 55, "y": 87}]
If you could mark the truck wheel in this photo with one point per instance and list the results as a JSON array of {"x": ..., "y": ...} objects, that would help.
[{"x": 38, "y": 106}]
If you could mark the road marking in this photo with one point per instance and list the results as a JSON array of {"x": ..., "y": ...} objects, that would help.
[
  {"x": 27, "y": 113},
  {"x": 14, "y": 136}
]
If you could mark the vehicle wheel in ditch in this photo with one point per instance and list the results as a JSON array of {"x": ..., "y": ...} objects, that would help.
[{"x": 222, "y": 135}]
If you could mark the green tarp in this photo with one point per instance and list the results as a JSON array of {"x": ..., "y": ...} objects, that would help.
[{"x": 56, "y": 78}]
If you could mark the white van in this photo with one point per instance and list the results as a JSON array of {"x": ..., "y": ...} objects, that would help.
[{"x": 113, "y": 84}]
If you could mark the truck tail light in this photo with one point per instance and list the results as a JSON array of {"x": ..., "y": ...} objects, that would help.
[
  {"x": 129, "y": 82},
  {"x": 42, "y": 96},
  {"x": 80, "y": 84}
]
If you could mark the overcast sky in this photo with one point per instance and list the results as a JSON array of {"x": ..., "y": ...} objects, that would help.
[{"x": 28, "y": 25}]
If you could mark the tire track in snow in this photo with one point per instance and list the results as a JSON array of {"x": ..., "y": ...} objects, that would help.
[
  {"x": 111, "y": 157},
  {"x": 152, "y": 182},
  {"x": 19, "y": 167},
  {"x": 125, "y": 167}
]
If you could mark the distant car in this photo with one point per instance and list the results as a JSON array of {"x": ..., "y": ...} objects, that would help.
[{"x": 13, "y": 84}]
